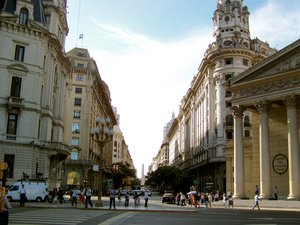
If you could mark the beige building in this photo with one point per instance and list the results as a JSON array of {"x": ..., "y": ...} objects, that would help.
[
  {"x": 270, "y": 90},
  {"x": 86, "y": 98},
  {"x": 33, "y": 70}
]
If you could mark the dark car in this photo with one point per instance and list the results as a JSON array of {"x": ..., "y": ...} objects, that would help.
[{"x": 168, "y": 198}]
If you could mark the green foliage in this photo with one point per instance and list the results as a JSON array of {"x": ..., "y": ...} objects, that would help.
[
  {"x": 169, "y": 178},
  {"x": 122, "y": 174}
]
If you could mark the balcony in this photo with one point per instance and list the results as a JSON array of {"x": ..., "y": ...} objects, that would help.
[
  {"x": 15, "y": 102},
  {"x": 58, "y": 147}
]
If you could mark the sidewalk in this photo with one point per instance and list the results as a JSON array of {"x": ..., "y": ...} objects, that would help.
[{"x": 156, "y": 205}]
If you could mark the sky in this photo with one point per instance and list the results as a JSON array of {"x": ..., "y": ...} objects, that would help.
[{"x": 148, "y": 51}]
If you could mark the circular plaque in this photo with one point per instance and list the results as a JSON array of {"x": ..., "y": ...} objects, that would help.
[{"x": 280, "y": 164}]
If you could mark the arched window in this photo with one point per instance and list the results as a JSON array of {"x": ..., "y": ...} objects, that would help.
[
  {"x": 229, "y": 120},
  {"x": 23, "y": 19}
]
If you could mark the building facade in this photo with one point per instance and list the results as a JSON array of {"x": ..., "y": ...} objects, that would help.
[
  {"x": 33, "y": 69},
  {"x": 270, "y": 90},
  {"x": 49, "y": 100},
  {"x": 205, "y": 122},
  {"x": 86, "y": 98}
]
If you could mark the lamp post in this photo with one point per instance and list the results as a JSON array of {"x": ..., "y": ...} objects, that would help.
[{"x": 101, "y": 134}]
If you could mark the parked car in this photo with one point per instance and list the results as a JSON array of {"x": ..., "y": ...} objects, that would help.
[{"x": 168, "y": 198}]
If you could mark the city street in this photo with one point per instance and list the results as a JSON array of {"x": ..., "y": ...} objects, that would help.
[{"x": 157, "y": 213}]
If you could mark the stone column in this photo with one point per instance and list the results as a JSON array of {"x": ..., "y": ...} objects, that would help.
[
  {"x": 238, "y": 152},
  {"x": 293, "y": 147},
  {"x": 264, "y": 150}
]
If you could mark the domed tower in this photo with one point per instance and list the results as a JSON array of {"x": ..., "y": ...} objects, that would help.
[
  {"x": 231, "y": 24},
  {"x": 232, "y": 52}
]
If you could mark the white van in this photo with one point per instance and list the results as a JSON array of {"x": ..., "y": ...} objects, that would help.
[{"x": 35, "y": 191}]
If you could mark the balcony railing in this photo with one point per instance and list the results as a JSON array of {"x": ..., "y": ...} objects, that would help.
[{"x": 15, "y": 102}]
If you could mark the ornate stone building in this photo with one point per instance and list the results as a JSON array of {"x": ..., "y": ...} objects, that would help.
[
  {"x": 205, "y": 122},
  {"x": 270, "y": 90},
  {"x": 87, "y": 97},
  {"x": 33, "y": 68}
]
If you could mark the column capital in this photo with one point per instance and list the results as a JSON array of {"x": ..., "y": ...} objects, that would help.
[
  {"x": 238, "y": 110},
  {"x": 291, "y": 101},
  {"x": 263, "y": 106}
]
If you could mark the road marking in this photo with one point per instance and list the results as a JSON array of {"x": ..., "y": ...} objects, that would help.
[{"x": 116, "y": 218}]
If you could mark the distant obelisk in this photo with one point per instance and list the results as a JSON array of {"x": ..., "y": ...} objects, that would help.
[{"x": 143, "y": 176}]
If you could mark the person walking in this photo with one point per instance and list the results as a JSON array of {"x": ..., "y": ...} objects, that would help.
[
  {"x": 275, "y": 193},
  {"x": 88, "y": 196},
  {"x": 256, "y": 189},
  {"x": 22, "y": 192},
  {"x": 112, "y": 197},
  {"x": 126, "y": 199},
  {"x": 256, "y": 200},
  {"x": 75, "y": 193},
  {"x": 182, "y": 199},
  {"x": 61, "y": 193},
  {"x": 146, "y": 197}
]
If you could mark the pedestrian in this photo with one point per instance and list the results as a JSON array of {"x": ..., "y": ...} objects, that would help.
[
  {"x": 178, "y": 199},
  {"x": 136, "y": 198},
  {"x": 146, "y": 197},
  {"x": 22, "y": 193},
  {"x": 88, "y": 196},
  {"x": 210, "y": 198},
  {"x": 112, "y": 196},
  {"x": 275, "y": 193},
  {"x": 4, "y": 207},
  {"x": 75, "y": 192},
  {"x": 256, "y": 200},
  {"x": 126, "y": 199},
  {"x": 53, "y": 195},
  {"x": 256, "y": 189},
  {"x": 182, "y": 199},
  {"x": 206, "y": 200},
  {"x": 224, "y": 200},
  {"x": 61, "y": 193},
  {"x": 119, "y": 197}
]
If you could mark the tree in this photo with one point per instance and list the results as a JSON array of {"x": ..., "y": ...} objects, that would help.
[
  {"x": 122, "y": 174},
  {"x": 169, "y": 178}
]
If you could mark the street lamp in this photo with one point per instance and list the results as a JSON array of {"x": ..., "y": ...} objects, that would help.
[{"x": 101, "y": 134}]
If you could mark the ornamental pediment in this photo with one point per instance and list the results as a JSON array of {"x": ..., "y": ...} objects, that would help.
[{"x": 282, "y": 62}]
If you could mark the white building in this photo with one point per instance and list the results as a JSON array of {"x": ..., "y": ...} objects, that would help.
[
  {"x": 33, "y": 69},
  {"x": 205, "y": 122}
]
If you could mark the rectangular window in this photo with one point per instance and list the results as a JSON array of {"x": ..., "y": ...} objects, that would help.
[
  {"x": 228, "y": 61},
  {"x": 75, "y": 141},
  {"x": 78, "y": 90},
  {"x": 10, "y": 160},
  {"x": 15, "y": 89},
  {"x": 76, "y": 114},
  {"x": 77, "y": 101},
  {"x": 75, "y": 128},
  {"x": 19, "y": 53},
  {"x": 12, "y": 124},
  {"x": 79, "y": 77},
  {"x": 80, "y": 65}
]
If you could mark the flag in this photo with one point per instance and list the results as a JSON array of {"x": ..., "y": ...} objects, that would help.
[{"x": 80, "y": 36}]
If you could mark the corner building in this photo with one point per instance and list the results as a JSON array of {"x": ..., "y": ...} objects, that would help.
[
  {"x": 33, "y": 68},
  {"x": 205, "y": 121}
]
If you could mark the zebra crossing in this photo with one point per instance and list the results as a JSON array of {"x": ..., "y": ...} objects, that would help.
[{"x": 52, "y": 216}]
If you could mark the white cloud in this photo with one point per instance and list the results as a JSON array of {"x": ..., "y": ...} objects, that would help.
[
  {"x": 276, "y": 24},
  {"x": 147, "y": 83}
]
